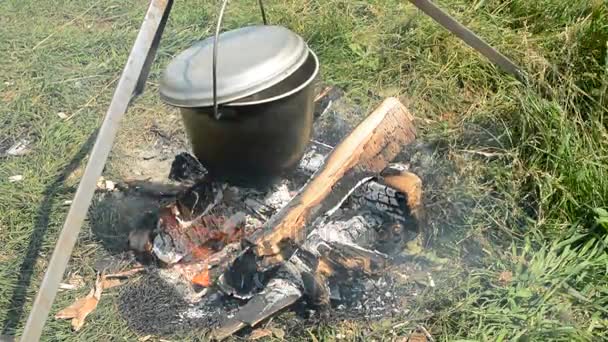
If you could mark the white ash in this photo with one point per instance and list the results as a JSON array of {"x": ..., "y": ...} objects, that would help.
[
  {"x": 359, "y": 228},
  {"x": 164, "y": 249},
  {"x": 399, "y": 166},
  {"x": 265, "y": 204},
  {"x": 183, "y": 288},
  {"x": 193, "y": 312},
  {"x": 233, "y": 222},
  {"x": 347, "y": 196},
  {"x": 209, "y": 308},
  {"x": 282, "y": 288},
  {"x": 279, "y": 197},
  {"x": 369, "y": 204},
  {"x": 353, "y": 222},
  {"x": 312, "y": 161},
  {"x": 252, "y": 224},
  {"x": 367, "y": 208}
]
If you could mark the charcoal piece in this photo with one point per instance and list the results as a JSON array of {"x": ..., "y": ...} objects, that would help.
[
  {"x": 114, "y": 216},
  {"x": 353, "y": 259},
  {"x": 278, "y": 295},
  {"x": 334, "y": 292},
  {"x": 381, "y": 200},
  {"x": 186, "y": 169},
  {"x": 196, "y": 200},
  {"x": 242, "y": 279},
  {"x": 317, "y": 290}
]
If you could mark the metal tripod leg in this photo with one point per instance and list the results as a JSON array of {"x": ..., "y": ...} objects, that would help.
[
  {"x": 470, "y": 38},
  {"x": 145, "y": 71},
  {"x": 131, "y": 84}
]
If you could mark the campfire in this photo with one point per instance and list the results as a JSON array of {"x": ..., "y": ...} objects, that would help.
[{"x": 341, "y": 214}]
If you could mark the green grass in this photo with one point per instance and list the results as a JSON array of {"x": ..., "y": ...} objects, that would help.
[{"x": 531, "y": 207}]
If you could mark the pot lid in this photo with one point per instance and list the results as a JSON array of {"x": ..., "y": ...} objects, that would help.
[{"x": 249, "y": 60}]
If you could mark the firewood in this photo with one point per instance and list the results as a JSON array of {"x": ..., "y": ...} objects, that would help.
[
  {"x": 409, "y": 184},
  {"x": 364, "y": 153},
  {"x": 278, "y": 295}
]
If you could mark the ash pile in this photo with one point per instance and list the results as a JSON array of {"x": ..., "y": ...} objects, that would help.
[{"x": 234, "y": 257}]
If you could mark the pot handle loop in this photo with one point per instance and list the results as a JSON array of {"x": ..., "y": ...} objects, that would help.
[{"x": 218, "y": 26}]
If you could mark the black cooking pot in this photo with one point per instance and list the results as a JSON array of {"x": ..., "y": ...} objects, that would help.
[
  {"x": 246, "y": 97},
  {"x": 257, "y": 139}
]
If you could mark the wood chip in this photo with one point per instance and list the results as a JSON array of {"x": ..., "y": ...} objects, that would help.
[
  {"x": 74, "y": 282},
  {"x": 125, "y": 274},
  {"x": 322, "y": 94},
  {"x": 278, "y": 333},
  {"x": 110, "y": 283},
  {"x": 103, "y": 184},
  {"x": 505, "y": 277},
  {"x": 259, "y": 333},
  {"x": 110, "y": 186},
  {"x": 64, "y": 286},
  {"x": 417, "y": 337}
]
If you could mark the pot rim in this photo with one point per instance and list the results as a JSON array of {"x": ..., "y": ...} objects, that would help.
[{"x": 284, "y": 95}]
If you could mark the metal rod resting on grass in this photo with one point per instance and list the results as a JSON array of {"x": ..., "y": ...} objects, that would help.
[
  {"x": 469, "y": 37},
  {"x": 130, "y": 83}
]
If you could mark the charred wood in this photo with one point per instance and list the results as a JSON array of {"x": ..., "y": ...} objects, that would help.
[{"x": 364, "y": 153}]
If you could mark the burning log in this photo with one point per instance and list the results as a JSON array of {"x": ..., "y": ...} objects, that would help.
[{"x": 363, "y": 154}]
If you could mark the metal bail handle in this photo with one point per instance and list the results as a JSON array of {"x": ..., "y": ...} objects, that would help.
[{"x": 218, "y": 26}]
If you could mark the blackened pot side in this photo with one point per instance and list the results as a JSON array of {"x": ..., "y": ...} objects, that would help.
[{"x": 258, "y": 138}]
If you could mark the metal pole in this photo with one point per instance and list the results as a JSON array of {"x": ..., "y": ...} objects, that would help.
[
  {"x": 470, "y": 38},
  {"x": 136, "y": 64}
]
